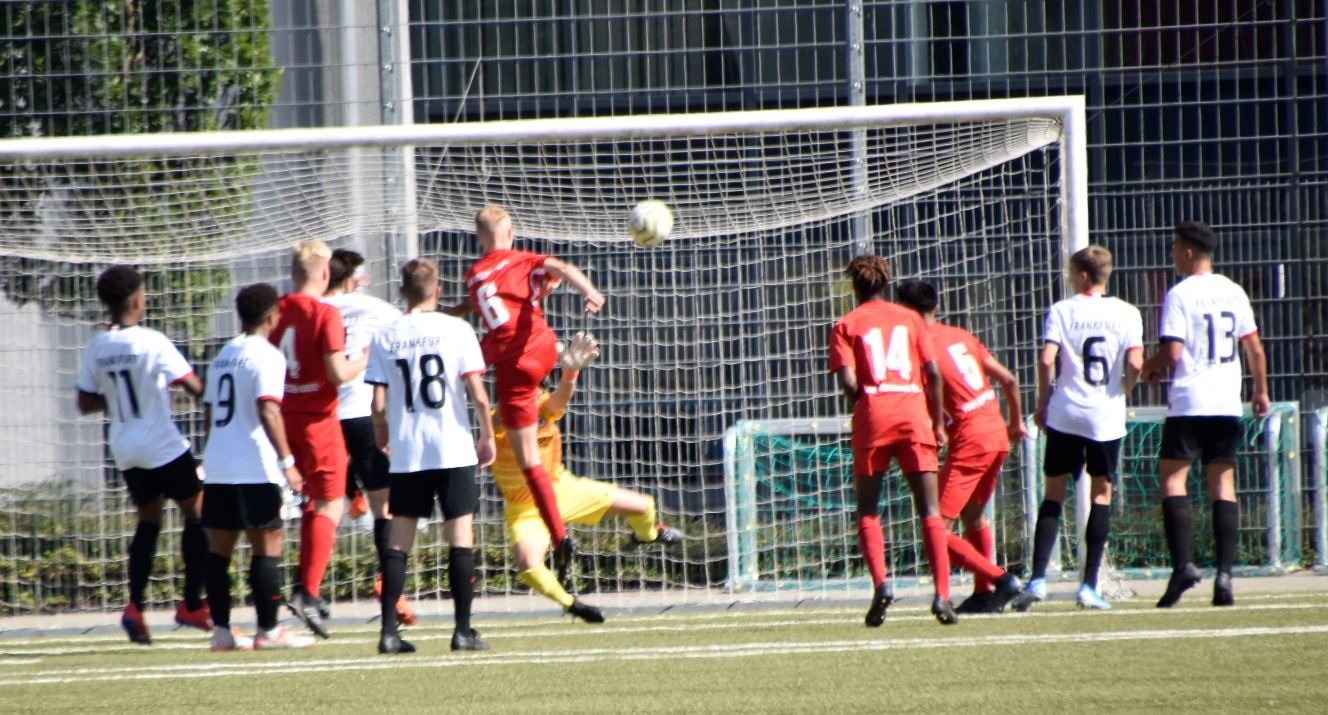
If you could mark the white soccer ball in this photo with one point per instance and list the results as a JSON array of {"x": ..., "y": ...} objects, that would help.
[{"x": 651, "y": 223}]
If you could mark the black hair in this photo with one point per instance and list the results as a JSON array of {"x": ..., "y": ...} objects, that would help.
[
  {"x": 342, "y": 265},
  {"x": 1197, "y": 236},
  {"x": 917, "y": 295},
  {"x": 253, "y": 302},
  {"x": 115, "y": 285}
]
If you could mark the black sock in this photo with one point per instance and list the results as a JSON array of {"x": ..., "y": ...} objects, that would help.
[
  {"x": 1226, "y": 523},
  {"x": 142, "y": 549},
  {"x": 381, "y": 531},
  {"x": 265, "y": 582},
  {"x": 1044, "y": 535},
  {"x": 1095, "y": 541},
  {"x": 1176, "y": 523},
  {"x": 194, "y": 549},
  {"x": 461, "y": 578},
  {"x": 217, "y": 574},
  {"x": 394, "y": 582}
]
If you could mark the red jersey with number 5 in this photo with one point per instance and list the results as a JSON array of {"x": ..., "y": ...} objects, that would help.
[
  {"x": 972, "y": 414},
  {"x": 506, "y": 287},
  {"x": 308, "y": 330},
  {"x": 886, "y": 346}
]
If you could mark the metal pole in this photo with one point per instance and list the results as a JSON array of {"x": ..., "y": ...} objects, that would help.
[
  {"x": 856, "y": 74},
  {"x": 394, "y": 79}
]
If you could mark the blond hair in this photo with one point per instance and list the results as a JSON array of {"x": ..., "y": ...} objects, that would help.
[
  {"x": 419, "y": 279},
  {"x": 309, "y": 256},
  {"x": 489, "y": 218},
  {"x": 1093, "y": 260}
]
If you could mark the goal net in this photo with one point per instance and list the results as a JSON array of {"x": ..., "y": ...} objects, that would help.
[{"x": 726, "y": 321}]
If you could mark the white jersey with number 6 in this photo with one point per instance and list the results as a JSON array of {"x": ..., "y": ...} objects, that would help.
[
  {"x": 247, "y": 371},
  {"x": 421, "y": 359},
  {"x": 133, "y": 369},
  {"x": 363, "y": 315},
  {"x": 1093, "y": 333},
  {"x": 1209, "y": 314}
]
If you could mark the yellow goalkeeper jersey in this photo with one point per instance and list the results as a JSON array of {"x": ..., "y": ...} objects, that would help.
[{"x": 511, "y": 482}]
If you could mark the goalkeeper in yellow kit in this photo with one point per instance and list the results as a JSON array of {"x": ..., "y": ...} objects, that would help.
[{"x": 581, "y": 501}]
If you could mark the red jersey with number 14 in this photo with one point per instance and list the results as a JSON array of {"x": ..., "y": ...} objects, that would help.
[
  {"x": 972, "y": 413},
  {"x": 308, "y": 330},
  {"x": 886, "y": 346},
  {"x": 506, "y": 286}
]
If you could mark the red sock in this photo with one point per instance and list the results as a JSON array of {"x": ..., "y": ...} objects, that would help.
[
  {"x": 542, "y": 489},
  {"x": 872, "y": 544},
  {"x": 981, "y": 540},
  {"x": 933, "y": 542},
  {"x": 322, "y": 537},
  {"x": 963, "y": 555}
]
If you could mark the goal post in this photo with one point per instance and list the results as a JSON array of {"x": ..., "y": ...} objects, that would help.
[{"x": 724, "y": 321}]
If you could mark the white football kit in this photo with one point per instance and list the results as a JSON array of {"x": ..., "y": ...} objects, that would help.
[
  {"x": 421, "y": 359},
  {"x": 1209, "y": 314},
  {"x": 363, "y": 316},
  {"x": 1094, "y": 332},
  {"x": 249, "y": 369},
  {"x": 133, "y": 369}
]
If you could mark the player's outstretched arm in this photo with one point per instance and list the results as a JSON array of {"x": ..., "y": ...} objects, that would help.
[
  {"x": 1046, "y": 371},
  {"x": 89, "y": 402},
  {"x": 579, "y": 282},
  {"x": 936, "y": 401},
  {"x": 269, "y": 414},
  {"x": 341, "y": 370},
  {"x": 485, "y": 448},
  {"x": 1258, "y": 362},
  {"x": 1014, "y": 404},
  {"x": 580, "y": 352}
]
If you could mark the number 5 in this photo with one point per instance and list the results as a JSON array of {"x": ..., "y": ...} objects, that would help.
[{"x": 967, "y": 364}]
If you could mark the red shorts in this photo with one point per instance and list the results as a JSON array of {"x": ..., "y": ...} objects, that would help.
[
  {"x": 968, "y": 477},
  {"x": 320, "y": 454},
  {"x": 912, "y": 457},
  {"x": 517, "y": 383}
]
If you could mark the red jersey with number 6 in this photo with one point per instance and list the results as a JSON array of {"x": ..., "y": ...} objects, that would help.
[
  {"x": 506, "y": 287},
  {"x": 886, "y": 346},
  {"x": 308, "y": 330},
  {"x": 973, "y": 416}
]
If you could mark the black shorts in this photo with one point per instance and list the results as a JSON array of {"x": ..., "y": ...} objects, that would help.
[
  {"x": 176, "y": 479},
  {"x": 1069, "y": 453},
  {"x": 238, "y": 507},
  {"x": 413, "y": 493},
  {"x": 368, "y": 465},
  {"x": 1211, "y": 440}
]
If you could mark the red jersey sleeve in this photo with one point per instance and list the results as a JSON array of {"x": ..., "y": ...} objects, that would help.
[{"x": 841, "y": 348}]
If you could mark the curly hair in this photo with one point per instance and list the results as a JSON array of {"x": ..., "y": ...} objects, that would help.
[{"x": 870, "y": 275}]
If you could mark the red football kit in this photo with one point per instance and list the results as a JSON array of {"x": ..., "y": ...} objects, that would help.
[
  {"x": 979, "y": 442},
  {"x": 887, "y": 346},
  {"x": 307, "y": 331},
  {"x": 506, "y": 287}
]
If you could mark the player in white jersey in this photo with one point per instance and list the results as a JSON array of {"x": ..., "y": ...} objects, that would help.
[
  {"x": 1207, "y": 322},
  {"x": 422, "y": 367},
  {"x": 363, "y": 316},
  {"x": 1096, "y": 344},
  {"x": 127, "y": 372},
  {"x": 247, "y": 462}
]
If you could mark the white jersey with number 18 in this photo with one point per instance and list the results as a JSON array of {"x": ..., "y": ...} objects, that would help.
[
  {"x": 1094, "y": 332},
  {"x": 1209, "y": 314},
  {"x": 132, "y": 369},
  {"x": 421, "y": 359}
]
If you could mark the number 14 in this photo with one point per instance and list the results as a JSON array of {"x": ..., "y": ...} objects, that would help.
[{"x": 884, "y": 358}]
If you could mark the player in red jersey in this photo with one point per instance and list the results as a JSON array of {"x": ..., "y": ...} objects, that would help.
[
  {"x": 886, "y": 367},
  {"x": 979, "y": 443},
  {"x": 311, "y": 336},
  {"x": 506, "y": 287}
]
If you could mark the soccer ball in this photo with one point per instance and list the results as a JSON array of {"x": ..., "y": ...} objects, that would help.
[{"x": 651, "y": 223}]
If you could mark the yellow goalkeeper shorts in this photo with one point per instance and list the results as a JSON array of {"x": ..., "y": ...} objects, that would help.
[{"x": 580, "y": 501}]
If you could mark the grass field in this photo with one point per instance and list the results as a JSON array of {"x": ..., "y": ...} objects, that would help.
[{"x": 1268, "y": 653}]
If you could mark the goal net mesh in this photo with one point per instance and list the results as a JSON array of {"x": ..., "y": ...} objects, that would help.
[{"x": 726, "y": 321}]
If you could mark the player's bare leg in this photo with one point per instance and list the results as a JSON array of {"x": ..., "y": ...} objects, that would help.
[
  {"x": 1226, "y": 523},
  {"x": 1173, "y": 474},
  {"x": 525, "y": 447},
  {"x": 926, "y": 502}
]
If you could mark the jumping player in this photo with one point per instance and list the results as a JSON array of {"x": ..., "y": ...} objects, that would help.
[
  {"x": 422, "y": 367},
  {"x": 127, "y": 372},
  {"x": 979, "y": 443},
  {"x": 1205, "y": 317},
  {"x": 885, "y": 364},
  {"x": 506, "y": 287}
]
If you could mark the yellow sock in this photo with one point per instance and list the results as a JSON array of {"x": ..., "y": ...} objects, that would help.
[
  {"x": 644, "y": 524},
  {"x": 542, "y": 579}
]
